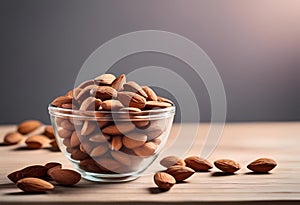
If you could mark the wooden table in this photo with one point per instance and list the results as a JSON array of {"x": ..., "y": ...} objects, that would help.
[{"x": 242, "y": 142}]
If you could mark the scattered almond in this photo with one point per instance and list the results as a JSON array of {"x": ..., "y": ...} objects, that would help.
[
  {"x": 65, "y": 177},
  {"x": 164, "y": 180},
  {"x": 227, "y": 165},
  {"x": 31, "y": 184},
  {"x": 49, "y": 132},
  {"x": 37, "y": 141},
  {"x": 28, "y": 126},
  {"x": 180, "y": 173},
  {"x": 12, "y": 138},
  {"x": 171, "y": 160},
  {"x": 197, "y": 163},
  {"x": 262, "y": 165}
]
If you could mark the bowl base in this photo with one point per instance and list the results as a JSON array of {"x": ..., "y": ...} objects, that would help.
[{"x": 95, "y": 178}]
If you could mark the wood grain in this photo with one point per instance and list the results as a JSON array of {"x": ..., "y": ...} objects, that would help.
[{"x": 242, "y": 142}]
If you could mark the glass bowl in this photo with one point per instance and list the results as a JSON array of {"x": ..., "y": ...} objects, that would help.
[{"x": 111, "y": 146}]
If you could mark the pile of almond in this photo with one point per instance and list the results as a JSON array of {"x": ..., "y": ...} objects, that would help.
[
  {"x": 111, "y": 142},
  {"x": 179, "y": 170},
  {"x": 35, "y": 178},
  {"x": 26, "y": 131}
]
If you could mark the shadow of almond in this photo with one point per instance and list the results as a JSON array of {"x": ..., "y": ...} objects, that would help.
[{"x": 221, "y": 174}]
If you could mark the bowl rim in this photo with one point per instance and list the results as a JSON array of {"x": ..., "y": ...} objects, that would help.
[{"x": 103, "y": 114}]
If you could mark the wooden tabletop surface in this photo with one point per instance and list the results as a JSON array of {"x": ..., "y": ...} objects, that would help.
[{"x": 242, "y": 142}]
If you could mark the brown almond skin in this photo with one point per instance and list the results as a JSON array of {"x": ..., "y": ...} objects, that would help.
[
  {"x": 118, "y": 129},
  {"x": 105, "y": 79},
  {"x": 146, "y": 150},
  {"x": 198, "y": 164},
  {"x": 104, "y": 92},
  {"x": 227, "y": 165},
  {"x": 180, "y": 173},
  {"x": 13, "y": 176},
  {"x": 262, "y": 165},
  {"x": 135, "y": 88},
  {"x": 111, "y": 105},
  {"x": 164, "y": 180},
  {"x": 130, "y": 99},
  {"x": 150, "y": 93},
  {"x": 12, "y": 138},
  {"x": 37, "y": 171},
  {"x": 157, "y": 104},
  {"x": 49, "y": 132},
  {"x": 65, "y": 177},
  {"x": 36, "y": 185},
  {"x": 119, "y": 82},
  {"x": 28, "y": 126},
  {"x": 90, "y": 103},
  {"x": 50, "y": 165},
  {"x": 171, "y": 161},
  {"x": 37, "y": 141},
  {"x": 57, "y": 102}
]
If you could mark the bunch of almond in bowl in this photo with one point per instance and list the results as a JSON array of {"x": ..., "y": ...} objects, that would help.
[{"x": 110, "y": 129}]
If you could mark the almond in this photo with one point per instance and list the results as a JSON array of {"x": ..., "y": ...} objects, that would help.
[
  {"x": 134, "y": 140},
  {"x": 116, "y": 143},
  {"x": 99, "y": 150},
  {"x": 49, "y": 132},
  {"x": 50, "y": 165},
  {"x": 99, "y": 138},
  {"x": 118, "y": 129},
  {"x": 162, "y": 99},
  {"x": 28, "y": 126},
  {"x": 12, "y": 138},
  {"x": 31, "y": 184},
  {"x": 90, "y": 103},
  {"x": 88, "y": 127},
  {"x": 37, "y": 171},
  {"x": 57, "y": 102},
  {"x": 197, "y": 163},
  {"x": 227, "y": 165},
  {"x": 105, "y": 79},
  {"x": 157, "y": 104},
  {"x": 77, "y": 154},
  {"x": 146, "y": 150},
  {"x": 37, "y": 141},
  {"x": 135, "y": 88},
  {"x": 141, "y": 123},
  {"x": 119, "y": 82},
  {"x": 65, "y": 177},
  {"x": 262, "y": 165},
  {"x": 131, "y": 99},
  {"x": 180, "y": 173},
  {"x": 74, "y": 140},
  {"x": 171, "y": 161},
  {"x": 66, "y": 124},
  {"x": 150, "y": 93},
  {"x": 54, "y": 145},
  {"x": 64, "y": 133},
  {"x": 164, "y": 180},
  {"x": 104, "y": 92},
  {"x": 111, "y": 105}
]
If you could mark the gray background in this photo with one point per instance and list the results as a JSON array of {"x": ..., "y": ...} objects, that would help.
[{"x": 255, "y": 46}]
